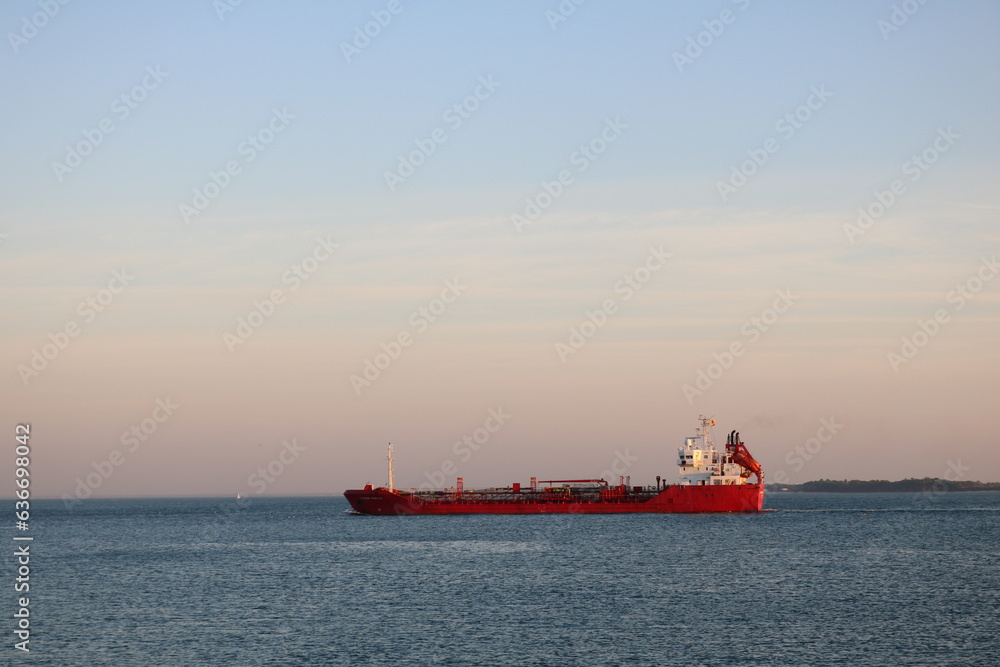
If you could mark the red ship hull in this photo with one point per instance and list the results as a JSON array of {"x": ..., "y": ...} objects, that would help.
[{"x": 672, "y": 499}]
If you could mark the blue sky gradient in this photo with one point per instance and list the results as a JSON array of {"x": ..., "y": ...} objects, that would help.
[{"x": 878, "y": 99}]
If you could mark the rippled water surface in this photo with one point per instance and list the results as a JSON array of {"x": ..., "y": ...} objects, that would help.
[{"x": 851, "y": 579}]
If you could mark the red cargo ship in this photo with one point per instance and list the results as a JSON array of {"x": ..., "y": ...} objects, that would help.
[{"x": 710, "y": 481}]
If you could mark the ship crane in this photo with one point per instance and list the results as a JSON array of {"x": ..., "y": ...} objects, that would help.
[{"x": 741, "y": 457}]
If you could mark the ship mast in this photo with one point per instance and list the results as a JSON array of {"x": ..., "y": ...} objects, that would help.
[
  {"x": 704, "y": 431},
  {"x": 392, "y": 486}
]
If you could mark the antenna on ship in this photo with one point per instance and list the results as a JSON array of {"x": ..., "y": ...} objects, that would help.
[
  {"x": 703, "y": 431},
  {"x": 389, "y": 458}
]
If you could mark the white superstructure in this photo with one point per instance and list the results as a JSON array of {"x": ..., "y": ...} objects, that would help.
[{"x": 701, "y": 464}]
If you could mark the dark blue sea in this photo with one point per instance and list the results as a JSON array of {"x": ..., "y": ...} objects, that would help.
[{"x": 822, "y": 579}]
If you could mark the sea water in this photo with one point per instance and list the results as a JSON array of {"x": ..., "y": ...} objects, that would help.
[{"x": 820, "y": 579}]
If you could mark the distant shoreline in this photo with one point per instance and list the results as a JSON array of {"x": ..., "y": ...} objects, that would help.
[{"x": 925, "y": 485}]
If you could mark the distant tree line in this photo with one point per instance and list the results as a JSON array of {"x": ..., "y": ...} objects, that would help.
[{"x": 881, "y": 485}]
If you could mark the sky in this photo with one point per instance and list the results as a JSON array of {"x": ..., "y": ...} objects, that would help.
[{"x": 245, "y": 245}]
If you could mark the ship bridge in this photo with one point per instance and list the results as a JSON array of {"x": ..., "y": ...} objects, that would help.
[{"x": 701, "y": 464}]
